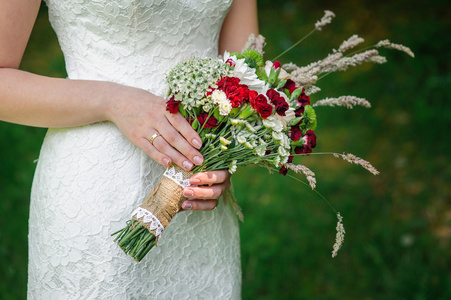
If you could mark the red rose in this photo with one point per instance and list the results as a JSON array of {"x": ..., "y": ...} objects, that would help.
[
  {"x": 172, "y": 105},
  {"x": 290, "y": 85},
  {"x": 211, "y": 122}
]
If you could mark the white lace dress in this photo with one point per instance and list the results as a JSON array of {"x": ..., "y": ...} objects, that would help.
[{"x": 89, "y": 179}]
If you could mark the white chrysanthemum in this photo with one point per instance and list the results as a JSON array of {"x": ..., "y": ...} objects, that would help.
[
  {"x": 218, "y": 96},
  {"x": 225, "y": 107}
]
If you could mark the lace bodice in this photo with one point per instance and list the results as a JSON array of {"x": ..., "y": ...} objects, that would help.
[
  {"x": 134, "y": 42},
  {"x": 90, "y": 179}
]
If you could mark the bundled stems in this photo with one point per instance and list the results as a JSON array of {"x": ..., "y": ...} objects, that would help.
[{"x": 135, "y": 240}]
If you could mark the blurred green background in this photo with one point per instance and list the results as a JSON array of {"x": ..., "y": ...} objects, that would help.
[{"x": 398, "y": 239}]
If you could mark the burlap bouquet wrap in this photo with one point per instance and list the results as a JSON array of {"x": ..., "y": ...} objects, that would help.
[{"x": 164, "y": 200}]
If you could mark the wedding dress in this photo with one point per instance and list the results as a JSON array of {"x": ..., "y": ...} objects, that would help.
[{"x": 89, "y": 179}]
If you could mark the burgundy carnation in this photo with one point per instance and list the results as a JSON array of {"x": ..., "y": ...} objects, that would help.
[
  {"x": 295, "y": 133},
  {"x": 290, "y": 85},
  {"x": 283, "y": 171},
  {"x": 303, "y": 99},
  {"x": 310, "y": 143},
  {"x": 299, "y": 111},
  {"x": 211, "y": 122},
  {"x": 172, "y": 105},
  {"x": 261, "y": 105},
  {"x": 281, "y": 106}
]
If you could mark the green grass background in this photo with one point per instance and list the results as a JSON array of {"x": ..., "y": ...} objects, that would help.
[{"x": 398, "y": 224}]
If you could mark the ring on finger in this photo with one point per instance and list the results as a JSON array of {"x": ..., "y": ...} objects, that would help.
[{"x": 153, "y": 137}]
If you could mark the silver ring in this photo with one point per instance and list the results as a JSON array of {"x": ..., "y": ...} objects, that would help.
[{"x": 153, "y": 137}]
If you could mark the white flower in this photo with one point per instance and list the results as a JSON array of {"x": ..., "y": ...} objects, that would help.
[
  {"x": 246, "y": 74},
  {"x": 218, "y": 96},
  {"x": 278, "y": 136},
  {"x": 232, "y": 168},
  {"x": 273, "y": 123},
  {"x": 286, "y": 142},
  {"x": 224, "y": 147},
  {"x": 225, "y": 107},
  {"x": 248, "y": 145},
  {"x": 283, "y": 152},
  {"x": 224, "y": 141},
  {"x": 241, "y": 139},
  {"x": 260, "y": 150}
]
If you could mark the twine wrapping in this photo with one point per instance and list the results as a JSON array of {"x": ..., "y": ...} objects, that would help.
[{"x": 164, "y": 200}]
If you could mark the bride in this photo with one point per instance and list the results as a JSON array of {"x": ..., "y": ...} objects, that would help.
[{"x": 109, "y": 140}]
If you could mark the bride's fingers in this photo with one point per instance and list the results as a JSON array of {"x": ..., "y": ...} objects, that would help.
[
  {"x": 211, "y": 177},
  {"x": 161, "y": 145},
  {"x": 156, "y": 155},
  {"x": 173, "y": 138},
  {"x": 195, "y": 204},
  {"x": 205, "y": 192},
  {"x": 185, "y": 129}
]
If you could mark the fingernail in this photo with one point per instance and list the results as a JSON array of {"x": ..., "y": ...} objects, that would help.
[
  {"x": 187, "y": 165},
  {"x": 194, "y": 181},
  {"x": 188, "y": 193},
  {"x": 166, "y": 162},
  {"x": 187, "y": 205},
  {"x": 197, "y": 160},
  {"x": 197, "y": 143}
]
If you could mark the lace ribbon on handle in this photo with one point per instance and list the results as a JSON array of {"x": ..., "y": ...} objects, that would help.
[{"x": 164, "y": 200}]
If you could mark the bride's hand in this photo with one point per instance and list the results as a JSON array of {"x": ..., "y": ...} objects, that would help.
[
  {"x": 140, "y": 115},
  {"x": 209, "y": 187}
]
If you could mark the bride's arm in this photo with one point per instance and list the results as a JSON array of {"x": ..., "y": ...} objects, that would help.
[
  {"x": 240, "y": 22},
  {"x": 41, "y": 101}
]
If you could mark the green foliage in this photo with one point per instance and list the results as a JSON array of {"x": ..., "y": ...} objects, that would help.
[{"x": 398, "y": 223}]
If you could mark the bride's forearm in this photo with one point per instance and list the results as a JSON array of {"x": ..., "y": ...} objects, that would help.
[{"x": 41, "y": 101}]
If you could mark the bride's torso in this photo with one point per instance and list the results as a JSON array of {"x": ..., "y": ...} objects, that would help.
[
  {"x": 89, "y": 179},
  {"x": 134, "y": 42}
]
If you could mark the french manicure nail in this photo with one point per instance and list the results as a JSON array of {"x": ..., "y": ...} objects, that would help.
[
  {"x": 187, "y": 205},
  {"x": 166, "y": 162},
  {"x": 187, "y": 165},
  {"x": 197, "y": 143},
  {"x": 188, "y": 193},
  {"x": 197, "y": 160}
]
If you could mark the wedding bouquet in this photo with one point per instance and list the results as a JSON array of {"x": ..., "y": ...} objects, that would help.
[{"x": 246, "y": 111}]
